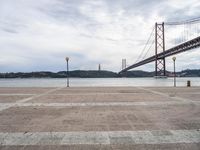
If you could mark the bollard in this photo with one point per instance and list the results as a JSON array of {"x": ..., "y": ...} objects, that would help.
[{"x": 188, "y": 83}]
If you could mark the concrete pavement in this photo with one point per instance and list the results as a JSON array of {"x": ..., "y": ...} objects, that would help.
[{"x": 100, "y": 118}]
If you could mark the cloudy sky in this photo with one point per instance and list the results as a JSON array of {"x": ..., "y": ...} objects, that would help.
[{"x": 36, "y": 35}]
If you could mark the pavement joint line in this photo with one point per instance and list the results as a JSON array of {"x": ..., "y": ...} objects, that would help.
[
  {"x": 6, "y": 106},
  {"x": 16, "y": 94},
  {"x": 166, "y": 95},
  {"x": 100, "y": 137},
  {"x": 38, "y": 95},
  {"x": 134, "y": 93},
  {"x": 194, "y": 93}
]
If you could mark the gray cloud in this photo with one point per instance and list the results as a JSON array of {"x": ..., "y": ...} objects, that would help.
[{"x": 38, "y": 35}]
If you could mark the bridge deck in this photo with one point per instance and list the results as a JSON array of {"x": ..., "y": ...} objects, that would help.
[
  {"x": 191, "y": 44},
  {"x": 100, "y": 118}
]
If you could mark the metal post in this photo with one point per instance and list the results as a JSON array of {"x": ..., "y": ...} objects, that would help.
[
  {"x": 67, "y": 60},
  {"x": 174, "y": 60}
]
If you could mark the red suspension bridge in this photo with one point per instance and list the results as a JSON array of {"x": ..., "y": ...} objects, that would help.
[{"x": 188, "y": 38}]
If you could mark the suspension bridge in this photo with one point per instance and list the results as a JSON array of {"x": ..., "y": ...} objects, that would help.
[{"x": 183, "y": 36}]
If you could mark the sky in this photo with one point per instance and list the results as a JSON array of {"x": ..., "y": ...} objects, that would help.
[{"x": 37, "y": 35}]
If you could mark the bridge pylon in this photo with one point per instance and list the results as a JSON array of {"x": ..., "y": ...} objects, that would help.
[{"x": 159, "y": 47}]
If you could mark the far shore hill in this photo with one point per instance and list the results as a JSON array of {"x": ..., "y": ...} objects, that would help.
[{"x": 95, "y": 74}]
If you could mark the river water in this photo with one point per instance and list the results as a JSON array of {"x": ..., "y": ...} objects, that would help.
[{"x": 88, "y": 82}]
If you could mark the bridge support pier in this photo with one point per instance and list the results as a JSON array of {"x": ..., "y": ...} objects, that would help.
[{"x": 159, "y": 47}]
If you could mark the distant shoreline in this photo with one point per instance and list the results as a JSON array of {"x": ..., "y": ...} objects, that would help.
[{"x": 96, "y": 74}]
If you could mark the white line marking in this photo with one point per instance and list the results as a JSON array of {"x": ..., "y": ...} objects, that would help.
[
  {"x": 15, "y": 94},
  {"x": 80, "y": 94},
  {"x": 166, "y": 95},
  {"x": 110, "y": 137},
  {"x": 8, "y": 105},
  {"x": 36, "y": 96}
]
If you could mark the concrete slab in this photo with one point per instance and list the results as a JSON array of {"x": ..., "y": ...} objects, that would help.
[
  {"x": 12, "y": 98},
  {"x": 22, "y": 119},
  {"x": 175, "y": 90},
  {"x": 26, "y": 90},
  {"x": 99, "y": 97},
  {"x": 191, "y": 96},
  {"x": 77, "y": 90},
  {"x": 100, "y": 118}
]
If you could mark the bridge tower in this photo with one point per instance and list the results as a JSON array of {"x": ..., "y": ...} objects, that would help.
[{"x": 159, "y": 47}]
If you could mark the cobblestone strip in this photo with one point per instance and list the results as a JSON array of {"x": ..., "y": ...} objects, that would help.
[
  {"x": 110, "y": 137},
  {"x": 4, "y": 106}
]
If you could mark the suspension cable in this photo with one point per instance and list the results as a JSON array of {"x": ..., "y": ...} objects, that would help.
[
  {"x": 190, "y": 21},
  {"x": 148, "y": 49},
  {"x": 145, "y": 46}
]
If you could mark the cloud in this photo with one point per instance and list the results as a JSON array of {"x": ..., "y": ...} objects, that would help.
[{"x": 38, "y": 35}]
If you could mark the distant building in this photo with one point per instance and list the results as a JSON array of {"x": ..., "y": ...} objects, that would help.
[
  {"x": 123, "y": 64},
  {"x": 99, "y": 67}
]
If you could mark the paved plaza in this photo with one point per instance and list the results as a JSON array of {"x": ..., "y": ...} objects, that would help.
[{"x": 100, "y": 118}]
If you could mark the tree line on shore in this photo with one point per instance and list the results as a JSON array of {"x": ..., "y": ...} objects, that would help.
[{"x": 94, "y": 74}]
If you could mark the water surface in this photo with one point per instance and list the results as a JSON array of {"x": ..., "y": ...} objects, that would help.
[{"x": 81, "y": 82}]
